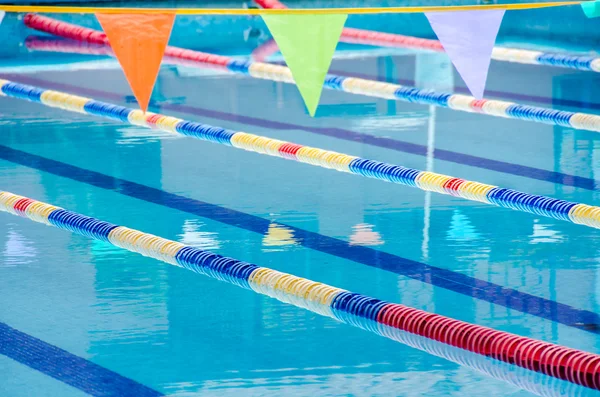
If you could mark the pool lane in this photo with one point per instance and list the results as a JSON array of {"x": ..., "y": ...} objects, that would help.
[
  {"x": 339, "y": 133},
  {"x": 477, "y": 288}
]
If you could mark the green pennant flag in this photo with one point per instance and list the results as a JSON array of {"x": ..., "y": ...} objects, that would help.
[
  {"x": 591, "y": 8},
  {"x": 307, "y": 43}
]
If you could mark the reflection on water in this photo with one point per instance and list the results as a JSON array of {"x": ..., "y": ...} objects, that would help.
[
  {"x": 141, "y": 136},
  {"x": 405, "y": 122},
  {"x": 278, "y": 236},
  {"x": 368, "y": 384},
  {"x": 461, "y": 229},
  {"x": 363, "y": 234},
  {"x": 543, "y": 233},
  {"x": 101, "y": 248},
  {"x": 17, "y": 250},
  {"x": 193, "y": 236}
]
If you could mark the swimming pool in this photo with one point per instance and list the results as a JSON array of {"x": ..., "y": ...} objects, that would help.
[{"x": 110, "y": 321}]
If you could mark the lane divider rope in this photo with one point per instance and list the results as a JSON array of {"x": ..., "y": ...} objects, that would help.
[
  {"x": 516, "y": 55},
  {"x": 352, "y": 85},
  {"x": 362, "y": 311},
  {"x": 533, "y": 382},
  {"x": 475, "y": 191}
]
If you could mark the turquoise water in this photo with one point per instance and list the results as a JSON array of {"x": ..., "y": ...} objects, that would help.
[{"x": 182, "y": 334}]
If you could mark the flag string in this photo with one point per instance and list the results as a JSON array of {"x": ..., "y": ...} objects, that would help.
[{"x": 279, "y": 11}]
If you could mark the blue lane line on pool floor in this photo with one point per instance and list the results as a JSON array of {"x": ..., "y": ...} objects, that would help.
[
  {"x": 343, "y": 134},
  {"x": 68, "y": 368},
  {"x": 439, "y": 277}
]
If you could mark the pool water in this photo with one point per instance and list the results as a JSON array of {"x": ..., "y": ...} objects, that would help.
[{"x": 171, "y": 332}]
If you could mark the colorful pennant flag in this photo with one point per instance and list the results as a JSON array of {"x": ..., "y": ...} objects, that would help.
[
  {"x": 139, "y": 42},
  {"x": 591, "y": 9},
  {"x": 2, "y": 14},
  {"x": 307, "y": 43},
  {"x": 468, "y": 37}
]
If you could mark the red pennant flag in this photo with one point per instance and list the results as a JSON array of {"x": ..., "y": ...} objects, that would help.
[{"x": 139, "y": 42}]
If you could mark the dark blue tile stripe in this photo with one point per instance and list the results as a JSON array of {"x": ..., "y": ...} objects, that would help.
[
  {"x": 68, "y": 368},
  {"x": 439, "y": 277}
]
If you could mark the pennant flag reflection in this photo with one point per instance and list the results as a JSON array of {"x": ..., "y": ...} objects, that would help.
[
  {"x": 139, "y": 42},
  {"x": 307, "y": 43},
  {"x": 278, "y": 235},
  {"x": 468, "y": 38}
]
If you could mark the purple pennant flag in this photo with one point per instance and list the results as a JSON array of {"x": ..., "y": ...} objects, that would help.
[{"x": 468, "y": 38}]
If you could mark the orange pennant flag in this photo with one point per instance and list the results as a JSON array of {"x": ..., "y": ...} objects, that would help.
[{"x": 139, "y": 42}]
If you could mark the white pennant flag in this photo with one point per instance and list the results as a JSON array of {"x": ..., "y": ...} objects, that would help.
[{"x": 468, "y": 38}]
